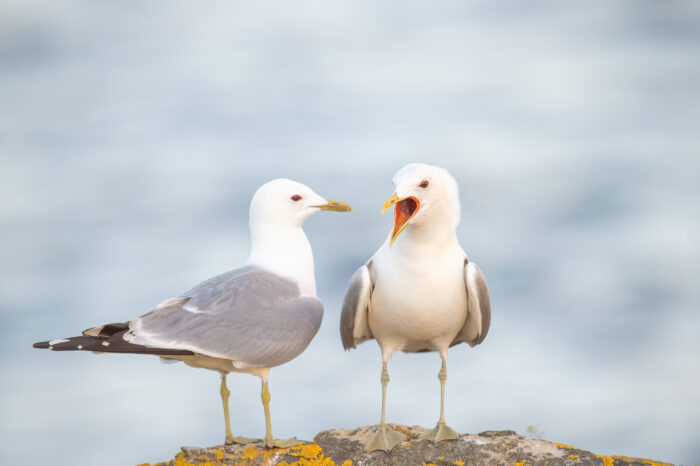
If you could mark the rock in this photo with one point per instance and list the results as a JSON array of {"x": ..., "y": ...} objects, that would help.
[{"x": 345, "y": 447}]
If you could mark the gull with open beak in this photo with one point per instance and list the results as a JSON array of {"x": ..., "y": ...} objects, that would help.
[
  {"x": 247, "y": 320},
  {"x": 419, "y": 292}
]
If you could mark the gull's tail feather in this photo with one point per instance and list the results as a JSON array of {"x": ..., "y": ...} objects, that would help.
[
  {"x": 106, "y": 339},
  {"x": 107, "y": 330}
]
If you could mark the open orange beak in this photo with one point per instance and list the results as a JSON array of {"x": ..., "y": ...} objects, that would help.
[{"x": 404, "y": 210}]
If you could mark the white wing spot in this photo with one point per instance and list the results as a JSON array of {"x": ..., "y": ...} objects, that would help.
[
  {"x": 51, "y": 347},
  {"x": 171, "y": 302},
  {"x": 192, "y": 309},
  {"x": 105, "y": 343},
  {"x": 80, "y": 346},
  {"x": 57, "y": 341}
]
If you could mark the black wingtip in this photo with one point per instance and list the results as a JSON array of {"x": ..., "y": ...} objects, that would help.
[{"x": 41, "y": 344}]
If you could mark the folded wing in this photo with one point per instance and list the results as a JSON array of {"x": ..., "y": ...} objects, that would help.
[
  {"x": 249, "y": 315},
  {"x": 478, "y": 321},
  {"x": 354, "y": 318}
]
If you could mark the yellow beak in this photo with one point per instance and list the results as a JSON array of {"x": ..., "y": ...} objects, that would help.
[
  {"x": 338, "y": 206},
  {"x": 390, "y": 202},
  {"x": 401, "y": 216}
]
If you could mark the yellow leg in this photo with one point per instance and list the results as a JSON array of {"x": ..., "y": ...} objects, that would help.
[
  {"x": 225, "y": 394},
  {"x": 265, "y": 396},
  {"x": 270, "y": 441},
  {"x": 384, "y": 438},
  {"x": 442, "y": 376},
  {"x": 385, "y": 381},
  {"x": 441, "y": 431}
]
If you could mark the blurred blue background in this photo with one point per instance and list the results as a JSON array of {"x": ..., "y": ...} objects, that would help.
[{"x": 133, "y": 134}]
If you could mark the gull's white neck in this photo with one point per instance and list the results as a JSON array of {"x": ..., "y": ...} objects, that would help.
[
  {"x": 286, "y": 251},
  {"x": 436, "y": 233}
]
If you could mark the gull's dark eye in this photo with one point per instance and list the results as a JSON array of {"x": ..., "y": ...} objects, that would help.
[
  {"x": 296, "y": 198},
  {"x": 424, "y": 184}
]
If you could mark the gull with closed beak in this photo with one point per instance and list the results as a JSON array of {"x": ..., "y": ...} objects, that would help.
[
  {"x": 419, "y": 292},
  {"x": 247, "y": 320}
]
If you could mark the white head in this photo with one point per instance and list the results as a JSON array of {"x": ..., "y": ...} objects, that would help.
[
  {"x": 286, "y": 203},
  {"x": 278, "y": 243},
  {"x": 424, "y": 195}
]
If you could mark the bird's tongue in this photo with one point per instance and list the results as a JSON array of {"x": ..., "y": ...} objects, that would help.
[{"x": 404, "y": 210}]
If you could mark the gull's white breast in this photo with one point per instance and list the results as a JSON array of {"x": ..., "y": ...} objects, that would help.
[{"x": 419, "y": 300}]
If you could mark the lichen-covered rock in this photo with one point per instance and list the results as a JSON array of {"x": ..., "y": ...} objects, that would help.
[{"x": 345, "y": 447}]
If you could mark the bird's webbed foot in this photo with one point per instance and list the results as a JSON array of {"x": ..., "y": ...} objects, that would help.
[
  {"x": 271, "y": 442},
  {"x": 384, "y": 438},
  {"x": 230, "y": 440},
  {"x": 440, "y": 432}
]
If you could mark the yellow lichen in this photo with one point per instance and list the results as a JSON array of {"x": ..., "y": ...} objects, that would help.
[
  {"x": 313, "y": 455},
  {"x": 563, "y": 445},
  {"x": 639, "y": 460},
  {"x": 607, "y": 460},
  {"x": 310, "y": 455},
  {"x": 306, "y": 451},
  {"x": 252, "y": 452},
  {"x": 181, "y": 460},
  {"x": 610, "y": 460},
  {"x": 645, "y": 461}
]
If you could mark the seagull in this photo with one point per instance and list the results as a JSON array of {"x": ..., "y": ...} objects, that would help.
[
  {"x": 420, "y": 293},
  {"x": 246, "y": 320}
]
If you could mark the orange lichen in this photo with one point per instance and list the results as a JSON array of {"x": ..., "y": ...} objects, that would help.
[
  {"x": 519, "y": 463},
  {"x": 459, "y": 463}
]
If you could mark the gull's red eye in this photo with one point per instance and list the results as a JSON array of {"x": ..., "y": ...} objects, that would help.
[
  {"x": 296, "y": 198},
  {"x": 424, "y": 184}
]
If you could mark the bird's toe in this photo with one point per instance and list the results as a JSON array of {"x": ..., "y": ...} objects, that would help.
[
  {"x": 440, "y": 432},
  {"x": 384, "y": 438},
  {"x": 230, "y": 440},
  {"x": 285, "y": 443}
]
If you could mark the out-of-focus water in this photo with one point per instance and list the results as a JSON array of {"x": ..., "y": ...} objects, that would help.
[{"x": 133, "y": 134}]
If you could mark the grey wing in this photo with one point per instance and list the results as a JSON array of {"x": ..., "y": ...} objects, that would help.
[
  {"x": 354, "y": 318},
  {"x": 249, "y": 315},
  {"x": 478, "y": 307}
]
